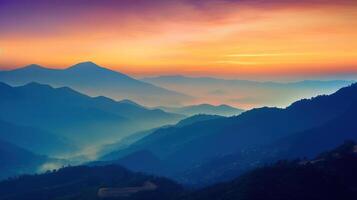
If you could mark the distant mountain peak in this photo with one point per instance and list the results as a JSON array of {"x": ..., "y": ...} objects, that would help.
[
  {"x": 37, "y": 85},
  {"x": 86, "y": 65},
  {"x": 32, "y": 67}
]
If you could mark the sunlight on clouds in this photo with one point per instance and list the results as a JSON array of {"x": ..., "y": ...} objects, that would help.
[
  {"x": 285, "y": 39},
  {"x": 267, "y": 54},
  {"x": 237, "y": 62}
]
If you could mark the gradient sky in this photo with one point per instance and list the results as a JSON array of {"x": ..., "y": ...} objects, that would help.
[{"x": 231, "y": 38}]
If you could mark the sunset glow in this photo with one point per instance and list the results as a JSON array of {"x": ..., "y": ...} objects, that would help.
[{"x": 224, "y": 38}]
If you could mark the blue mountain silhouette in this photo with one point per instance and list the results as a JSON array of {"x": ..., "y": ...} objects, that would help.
[
  {"x": 201, "y": 142},
  {"x": 75, "y": 116},
  {"x": 89, "y": 78}
]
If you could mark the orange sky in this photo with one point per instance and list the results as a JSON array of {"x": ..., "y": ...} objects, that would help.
[{"x": 225, "y": 38}]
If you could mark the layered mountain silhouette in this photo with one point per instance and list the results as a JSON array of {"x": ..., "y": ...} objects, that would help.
[
  {"x": 251, "y": 138},
  {"x": 39, "y": 121},
  {"x": 331, "y": 176},
  {"x": 223, "y": 110},
  {"x": 246, "y": 93},
  {"x": 89, "y": 78},
  {"x": 307, "y": 143},
  {"x": 75, "y": 116}
]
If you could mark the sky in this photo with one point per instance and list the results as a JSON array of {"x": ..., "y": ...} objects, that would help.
[{"x": 225, "y": 38}]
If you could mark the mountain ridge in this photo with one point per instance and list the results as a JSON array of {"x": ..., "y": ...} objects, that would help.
[
  {"x": 75, "y": 116},
  {"x": 238, "y": 92},
  {"x": 94, "y": 80},
  {"x": 191, "y": 145},
  {"x": 204, "y": 108}
]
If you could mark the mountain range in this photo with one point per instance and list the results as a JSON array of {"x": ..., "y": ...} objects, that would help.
[
  {"x": 329, "y": 176},
  {"x": 251, "y": 138},
  {"x": 43, "y": 127},
  {"x": 91, "y": 79},
  {"x": 73, "y": 116},
  {"x": 223, "y": 110},
  {"x": 246, "y": 93},
  {"x": 304, "y": 144},
  {"x": 170, "y": 91}
]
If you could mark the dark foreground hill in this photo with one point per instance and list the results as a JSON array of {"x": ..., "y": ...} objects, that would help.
[
  {"x": 87, "y": 183},
  {"x": 331, "y": 176}
]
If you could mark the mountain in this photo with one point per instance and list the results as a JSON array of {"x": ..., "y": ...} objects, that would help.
[
  {"x": 308, "y": 143},
  {"x": 142, "y": 161},
  {"x": 75, "y": 116},
  {"x": 82, "y": 182},
  {"x": 16, "y": 160},
  {"x": 124, "y": 147},
  {"x": 89, "y": 78},
  {"x": 139, "y": 161},
  {"x": 108, "y": 151},
  {"x": 330, "y": 176},
  {"x": 123, "y": 143},
  {"x": 196, "y": 118},
  {"x": 246, "y": 93},
  {"x": 35, "y": 140},
  {"x": 223, "y": 110},
  {"x": 198, "y": 143}
]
